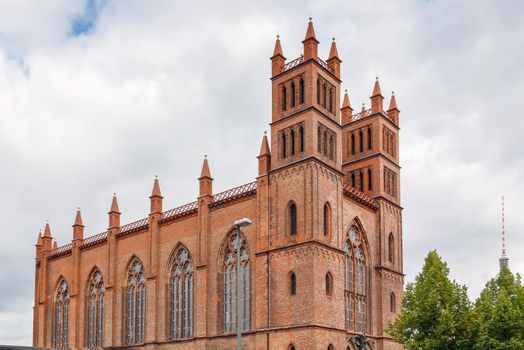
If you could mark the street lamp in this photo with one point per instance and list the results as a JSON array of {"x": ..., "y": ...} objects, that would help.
[{"x": 239, "y": 223}]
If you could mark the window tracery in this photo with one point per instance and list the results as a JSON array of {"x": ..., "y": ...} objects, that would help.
[
  {"x": 230, "y": 284},
  {"x": 62, "y": 316},
  {"x": 182, "y": 295},
  {"x": 95, "y": 311},
  {"x": 135, "y": 304},
  {"x": 355, "y": 284}
]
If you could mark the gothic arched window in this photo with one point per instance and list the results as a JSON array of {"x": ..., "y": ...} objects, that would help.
[
  {"x": 330, "y": 347},
  {"x": 353, "y": 179},
  {"x": 392, "y": 303},
  {"x": 369, "y": 139},
  {"x": 292, "y": 142},
  {"x": 329, "y": 283},
  {"x": 318, "y": 91},
  {"x": 284, "y": 98},
  {"x": 292, "y": 94},
  {"x": 292, "y": 219},
  {"x": 391, "y": 248},
  {"x": 95, "y": 311},
  {"x": 284, "y": 146},
  {"x": 352, "y": 143},
  {"x": 370, "y": 180},
  {"x": 361, "y": 141},
  {"x": 319, "y": 140},
  {"x": 301, "y": 136},
  {"x": 330, "y": 100},
  {"x": 361, "y": 181},
  {"x": 135, "y": 304},
  {"x": 181, "y": 291},
  {"x": 324, "y": 95},
  {"x": 327, "y": 219},
  {"x": 324, "y": 143},
  {"x": 355, "y": 276},
  {"x": 301, "y": 91},
  {"x": 62, "y": 316},
  {"x": 292, "y": 283},
  {"x": 230, "y": 285},
  {"x": 331, "y": 147}
]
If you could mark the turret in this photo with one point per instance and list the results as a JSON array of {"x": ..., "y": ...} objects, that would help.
[
  {"x": 205, "y": 180},
  {"x": 264, "y": 158},
  {"x": 156, "y": 198},
  {"x": 334, "y": 61},
  {"x": 346, "y": 109},
  {"x": 114, "y": 214},
  {"x": 39, "y": 244},
  {"x": 78, "y": 227},
  {"x": 310, "y": 42},
  {"x": 376, "y": 99},
  {"x": 277, "y": 60},
  {"x": 47, "y": 238},
  {"x": 393, "y": 111}
]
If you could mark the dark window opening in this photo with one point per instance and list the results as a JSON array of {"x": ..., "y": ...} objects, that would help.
[
  {"x": 292, "y": 94},
  {"x": 292, "y": 219},
  {"x": 284, "y": 98},
  {"x": 370, "y": 181},
  {"x": 284, "y": 146},
  {"x": 361, "y": 141},
  {"x": 318, "y": 91},
  {"x": 292, "y": 142},
  {"x": 301, "y": 95},
  {"x": 352, "y": 143},
  {"x": 301, "y": 136},
  {"x": 292, "y": 284},
  {"x": 369, "y": 139}
]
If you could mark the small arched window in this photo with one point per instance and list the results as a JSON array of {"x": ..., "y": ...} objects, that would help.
[
  {"x": 318, "y": 91},
  {"x": 291, "y": 347},
  {"x": 324, "y": 96},
  {"x": 324, "y": 143},
  {"x": 292, "y": 94},
  {"x": 361, "y": 141},
  {"x": 370, "y": 141},
  {"x": 284, "y": 98},
  {"x": 292, "y": 283},
  {"x": 327, "y": 219},
  {"x": 370, "y": 180},
  {"x": 292, "y": 142},
  {"x": 319, "y": 139},
  {"x": 353, "y": 179},
  {"x": 352, "y": 143},
  {"x": 301, "y": 91},
  {"x": 329, "y": 284},
  {"x": 391, "y": 248},
  {"x": 284, "y": 145},
  {"x": 330, "y": 347},
  {"x": 392, "y": 303},
  {"x": 331, "y": 148},
  {"x": 292, "y": 219},
  {"x": 361, "y": 181},
  {"x": 62, "y": 316},
  {"x": 330, "y": 100},
  {"x": 301, "y": 137}
]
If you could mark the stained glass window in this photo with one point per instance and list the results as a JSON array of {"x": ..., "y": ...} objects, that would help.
[
  {"x": 62, "y": 316},
  {"x": 135, "y": 304},
  {"x": 182, "y": 295},
  {"x": 95, "y": 311}
]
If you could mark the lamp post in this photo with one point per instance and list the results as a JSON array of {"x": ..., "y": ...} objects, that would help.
[{"x": 239, "y": 223}]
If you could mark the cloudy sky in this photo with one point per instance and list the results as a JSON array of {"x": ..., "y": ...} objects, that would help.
[{"x": 99, "y": 96}]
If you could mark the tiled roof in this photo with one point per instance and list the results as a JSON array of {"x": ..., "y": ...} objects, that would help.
[
  {"x": 60, "y": 251},
  {"x": 133, "y": 227},
  {"x": 360, "y": 197},
  {"x": 177, "y": 212},
  {"x": 90, "y": 241},
  {"x": 234, "y": 193}
]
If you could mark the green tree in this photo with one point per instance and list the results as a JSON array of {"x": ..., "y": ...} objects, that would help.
[
  {"x": 436, "y": 312},
  {"x": 499, "y": 314}
]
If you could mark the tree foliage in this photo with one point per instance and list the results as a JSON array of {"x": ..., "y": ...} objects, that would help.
[
  {"x": 436, "y": 312},
  {"x": 499, "y": 314}
]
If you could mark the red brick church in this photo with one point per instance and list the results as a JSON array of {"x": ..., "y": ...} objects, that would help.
[{"x": 321, "y": 262}]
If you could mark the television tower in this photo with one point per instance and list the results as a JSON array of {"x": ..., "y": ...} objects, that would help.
[{"x": 504, "y": 260}]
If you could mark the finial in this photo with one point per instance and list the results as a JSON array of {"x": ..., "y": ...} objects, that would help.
[
  {"x": 205, "y": 156},
  {"x": 156, "y": 176},
  {"x": 278, "y": 36},
  {"x": 393, "y": 93},
  {"x": 333, "y": 38},
  {"x": 363, "y": 104},
  {"x": 265, "y": 132},
  {"x": 114, "y": 194},
  {"x": 77, "y": 208},
  {"x": 346, "y": 91},
  {"x": 310, "y": 18},
  {"x": 376, "y": 77}
]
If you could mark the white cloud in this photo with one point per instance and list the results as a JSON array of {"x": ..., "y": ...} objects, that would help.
[{"x": 153, "y": 86}]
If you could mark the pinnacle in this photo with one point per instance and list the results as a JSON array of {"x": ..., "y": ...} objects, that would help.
[
  {"x": 156, "y": 189},
  {"x": 376, "y": 89},
  {"x": 264, "y": 148},
  {"x": 47, "y": 230},
  {"x": 78, "y": 218},
  {"x": 114, "y": 205},
  {"x": 345, "y": 102},
  {"x": 39, "y": 240},
  {"x": 333, "y": 52},
  {"x": 393, "y": 102},
  {"x": 278, "y": 49},
  {"x": 205, "y": 169},
  {"x": 310, "y": 33}
]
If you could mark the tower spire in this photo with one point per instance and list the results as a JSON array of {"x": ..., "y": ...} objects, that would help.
[
  {"x": 310, "y": 42},
  {"x": 156, "y": 198},
  {"x": 504, "y": 260}
]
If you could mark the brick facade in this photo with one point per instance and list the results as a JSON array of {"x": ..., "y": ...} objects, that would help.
[{"x": 310, "y": 163}]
